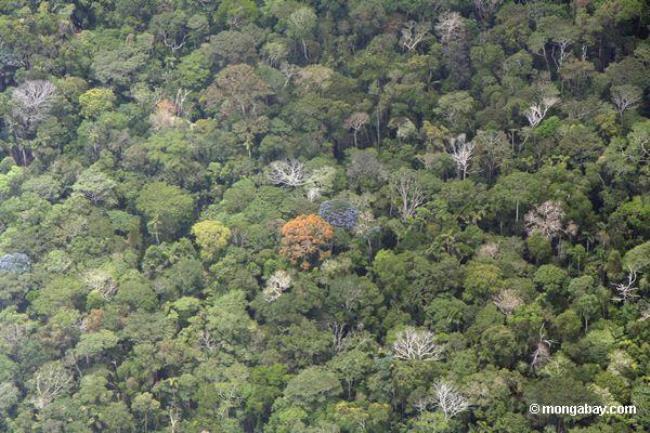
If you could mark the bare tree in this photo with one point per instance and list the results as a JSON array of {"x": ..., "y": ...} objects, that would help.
[
  {"x": 447, "y": 398},
  {"x": 289, "y": 71},
  {"x": 339, "y": 331},
  {"x": 101, "y": 281},
  {"x": 414, "y": 343},
  {"x": 288, "y": 173},
  {"x": 486, "y": 8},
  {"x": 179, "y": 101},
  {"x": 461, "y": 152},
  {"x": 561, "y": 50},
  {"x": 625, "y": 96},
  {"x": 406, "y": 188},
  {"x": 454, "y": 37},
  {"x": 12, "y": 335},
  {"x": 542, "y": 353},
  {"x": 490, "y": 249},
  {"x": 545, "y": 219},
  {"x": 276, "y": 285},
  {"x": 537, "y": 111},
  {"x": 31, "y": 103},
  {"x": 174, "y": 418},
  {"x": 173, "y": 40},
  {"x": 356, "y": 122},
  {"x": 414, "y": 33},
  {"x": 645, "y": 314},
  {"x": 451, "y": 24},
  {"x": 50, "y": 381},
  {"x": 507, "y": 301},
  {"x": 626, "y": 290}
]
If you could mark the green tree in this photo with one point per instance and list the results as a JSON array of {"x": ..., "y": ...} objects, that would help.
[{"x": 167, "y": 209}]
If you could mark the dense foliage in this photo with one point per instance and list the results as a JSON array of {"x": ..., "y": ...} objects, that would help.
[{"x": 333, "y": 216}]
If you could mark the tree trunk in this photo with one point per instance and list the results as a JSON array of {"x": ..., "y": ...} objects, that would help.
[
  {"x": 378, "y": 134},
  {"x": 517, "y": 212}
]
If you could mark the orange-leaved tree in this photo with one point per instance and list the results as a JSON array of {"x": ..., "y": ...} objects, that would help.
[{"x": 306, "y": 240}]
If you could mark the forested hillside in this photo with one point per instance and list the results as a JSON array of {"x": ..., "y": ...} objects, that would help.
[{"x": 364, "y": 216}]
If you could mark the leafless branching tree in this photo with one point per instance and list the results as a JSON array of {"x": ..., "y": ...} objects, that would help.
[
  {"x": 414, "y": 33},
  {"x": 561, "y": 50},
  {"x": 50, "y": 381},
  {"x": 276, "y": 285},
  {"x": 289, "y": 71},
  {"x": 102, "y": 281},
  {"x": 542, "y": 353},
  {"x": 414, "y": 343},
  {"x": 408, "y": 193},
  {"x": 339, "y": 331},
  {"x": 486, "y": 8},
  {"x": 461, "y": 151},
  {"x": 450, "y": 26},
  {"x": 537, "y": 111},
  {"x": 288, "y": 173},
  {"x": 31, "y": 103},
  {"x": 626, "y": 291},
  {"x": 447, "y": 398},
  {"x": 545, "y": 219},
  {"x": 356, "y": 122},
  {"x": 625, "y": 97}
]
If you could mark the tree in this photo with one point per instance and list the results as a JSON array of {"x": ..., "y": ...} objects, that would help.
[
  {"x": 537, "y": 111},
  {"x": 96, "y": 186},
  {"x": 236, "y": 13},
  {"x": 485, "y": 9},
  {"x": 117, "y": 62},
  {"x": 31, "y": 103},
  {"x": 212, "y": 237},
  {"x": 493, "y": 151},
  {"x": 625, "y": 96},
  {"x": 51, "y": 381},
  {"x": 546, "y": 219},
  {"x": 447, "y": 398},
  {"x": 276, "y": 285},
  {"x": 167, "y": 209},
  {"x": 96, "y": 101},
  {"x": 507, "y": 301},
  {"x": 355, "y": 122},
  {"x": 339, "y": 213},
  {"x": 288, "y": 173},
  {"x": 413, "y": 34},
  {"x": 626, "y": 291},
  {"x": 237, "y": 89},
  {"x": 365, "y": 171},
  {"x": 300, "y": 25},
  {"x": 306, "y": 239},
  {"x": 456, "y": 108},
  {"x": 417, "y": 344},
  {"x": 542, "y": 353},
  {"x": 312, "y": 388},
  {"x": 461, "y": 152},
  {"x": 232, "y": 47},
  {"x": 145, "y": 404},
  {"x": 452, "y": 30},
  {"x": 407, "y": 193}
]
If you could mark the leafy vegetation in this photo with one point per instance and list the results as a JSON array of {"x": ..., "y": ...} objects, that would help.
[{"x": 290, "y": 216}]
